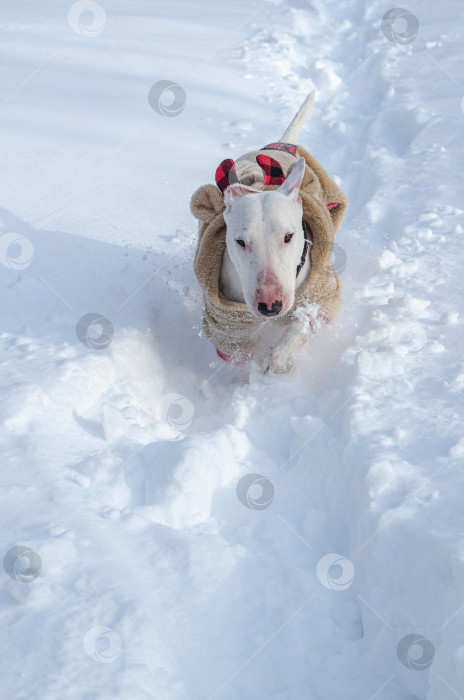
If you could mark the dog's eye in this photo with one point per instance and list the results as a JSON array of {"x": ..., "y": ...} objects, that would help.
[
  {"x": 241, "y": 242},
  {"x": 288, "y": 237}
]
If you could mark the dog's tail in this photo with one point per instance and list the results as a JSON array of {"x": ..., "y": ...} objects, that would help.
[{"x": 292, "y": 131}]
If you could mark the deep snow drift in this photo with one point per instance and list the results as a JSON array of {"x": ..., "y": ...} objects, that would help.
[{"x": 141, "y": 559}]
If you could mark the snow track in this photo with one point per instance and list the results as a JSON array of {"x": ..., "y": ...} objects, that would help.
[{"x": 164, "y": 570}]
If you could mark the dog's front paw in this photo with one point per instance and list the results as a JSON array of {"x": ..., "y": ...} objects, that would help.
[{"x": 279, "y": 360}]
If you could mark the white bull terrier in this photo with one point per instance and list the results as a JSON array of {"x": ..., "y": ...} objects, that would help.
[
  {"x": 264, "y": 243},
  {"x": 252, "y": 258}
]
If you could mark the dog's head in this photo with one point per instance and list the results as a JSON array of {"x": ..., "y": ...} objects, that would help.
[{"x": 265, "y": 241}]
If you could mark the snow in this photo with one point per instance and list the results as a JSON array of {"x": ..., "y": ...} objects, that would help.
[{"x": 171, "y": 530}]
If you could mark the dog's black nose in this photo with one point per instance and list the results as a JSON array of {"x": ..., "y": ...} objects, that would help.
[{"x": 275, "y": 309}]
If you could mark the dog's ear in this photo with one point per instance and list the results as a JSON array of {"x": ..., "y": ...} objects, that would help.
[
  {"x": 293, "y": 182},
  {"x": 236, "y": 191},
  {"x": 206, "y": 203}
]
